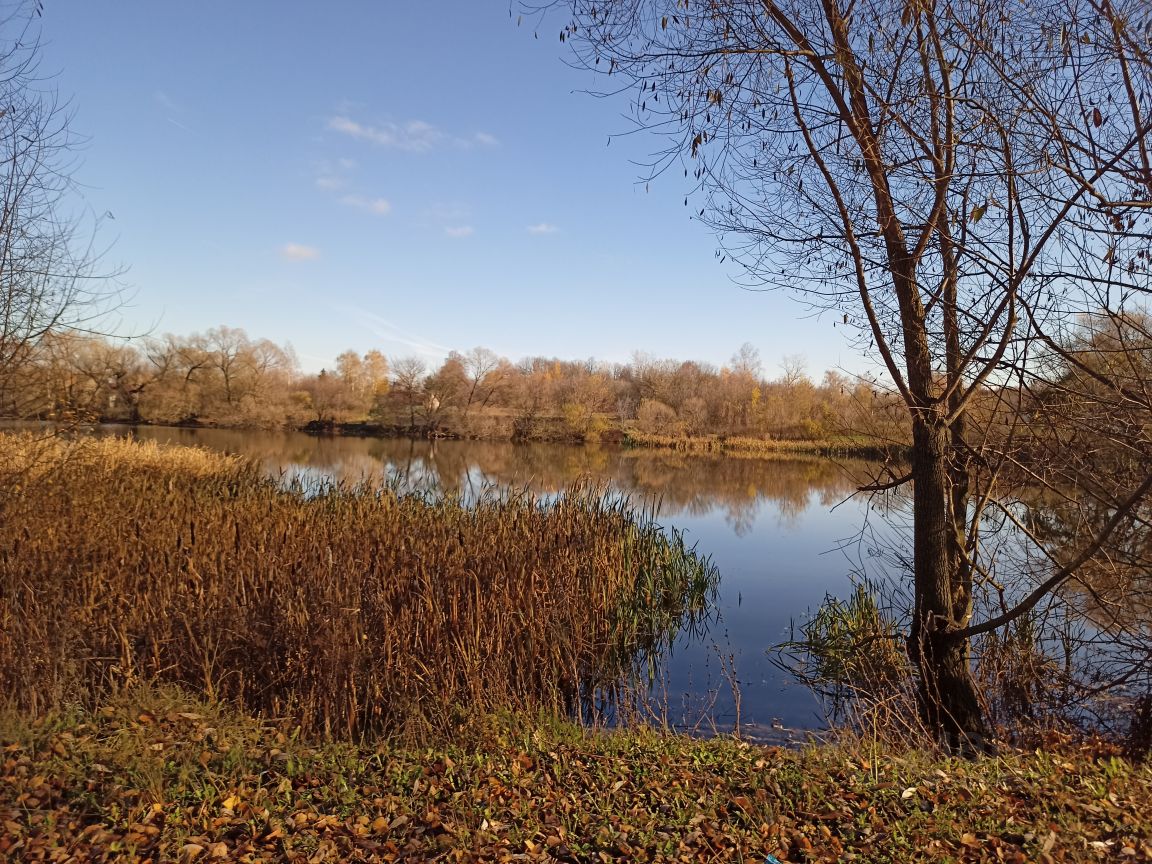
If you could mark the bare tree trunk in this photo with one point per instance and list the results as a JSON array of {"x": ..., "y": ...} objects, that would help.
[{"x": 948, "y": 698}]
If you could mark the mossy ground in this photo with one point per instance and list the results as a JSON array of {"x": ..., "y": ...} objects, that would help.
[{"x": 156, "y": 776}]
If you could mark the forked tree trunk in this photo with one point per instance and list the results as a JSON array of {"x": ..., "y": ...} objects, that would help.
[{"x": 949, "y": 702}]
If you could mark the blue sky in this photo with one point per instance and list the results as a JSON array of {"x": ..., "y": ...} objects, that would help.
[{"x": 411, "y": 177}]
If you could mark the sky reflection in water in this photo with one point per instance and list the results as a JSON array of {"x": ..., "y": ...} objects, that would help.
[{"x": 769, "y": 525}]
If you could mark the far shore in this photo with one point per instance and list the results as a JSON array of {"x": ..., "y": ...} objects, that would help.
[{"x": 844, "y": 446}]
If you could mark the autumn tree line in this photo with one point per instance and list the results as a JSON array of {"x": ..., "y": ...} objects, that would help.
[{"x": 225, "y": 377}]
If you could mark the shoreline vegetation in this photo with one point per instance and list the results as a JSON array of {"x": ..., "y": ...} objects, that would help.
[
  {"x": 201, "y": 663},
  {"x": 856, "y": 447},
  {"x": 852, "y": 447},
  {"x": 355, "y": 608},
  {"x": 223, "y": 378}
]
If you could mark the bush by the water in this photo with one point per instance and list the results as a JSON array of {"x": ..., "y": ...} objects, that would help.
[{"x": 352, "y": 609}]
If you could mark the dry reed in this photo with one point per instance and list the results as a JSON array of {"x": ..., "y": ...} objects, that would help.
[
  {"x": 353, "y": 610},
  {"x": 849, "y": 446}
]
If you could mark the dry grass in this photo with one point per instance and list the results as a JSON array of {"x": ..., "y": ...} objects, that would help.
[
  {"x": 354, "y": 610},
  {"x": 864, "y": 448}
]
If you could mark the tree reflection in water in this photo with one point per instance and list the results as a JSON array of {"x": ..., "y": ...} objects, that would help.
[
  {"x": 1083, "y": 652},
  {"x": 768, "y": 524},
  {"x": 696, "y": 485}
]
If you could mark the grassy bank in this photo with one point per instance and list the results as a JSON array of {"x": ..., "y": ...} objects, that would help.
[
  {"x": 612, "y": 433},
  {"x": 155, "y": 776},
  {"x": 353, "y": 610},
  {"x": 857, "y": 448}
]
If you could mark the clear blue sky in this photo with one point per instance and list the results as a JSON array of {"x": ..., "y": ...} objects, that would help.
[{"x": 407, "y": 176}]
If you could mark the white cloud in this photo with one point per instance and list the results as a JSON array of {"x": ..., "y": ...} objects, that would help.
[
  {"x": 299, "y": 252},
  {"x": 542, "y": 228},
  {"x": 416, "y": 136},
  {"x": 379, "y": 206},
  {"x": 459, "y": 231}
]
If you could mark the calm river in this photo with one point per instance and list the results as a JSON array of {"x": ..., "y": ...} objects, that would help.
[{"x": 784, "y": 533}]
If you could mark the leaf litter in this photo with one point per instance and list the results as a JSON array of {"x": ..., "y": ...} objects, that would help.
[{"x": 154, "y": 776}]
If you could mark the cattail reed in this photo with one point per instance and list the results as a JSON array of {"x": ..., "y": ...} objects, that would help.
[{"x": 352, "y": 609}]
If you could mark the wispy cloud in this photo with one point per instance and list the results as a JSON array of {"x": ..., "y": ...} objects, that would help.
[
  {"x": 415, "y": 136},
  {"x": 446, "y": 213},
  {"x": 542, "y": 228},
  {"x": 332, "y": 174},
  {"x": 170, "y": 108},
  {"x": 165, "y": 101},
  {"x": 379, "y": 206},
  {"x": 453, "y": 218},
  {"x": 389, "y": 332},
  {"x": 299, "y": 252},
  {"x": 335, "y": 176}
]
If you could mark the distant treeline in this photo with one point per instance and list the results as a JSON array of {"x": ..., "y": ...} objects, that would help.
[{"x": 224, "y": 377}]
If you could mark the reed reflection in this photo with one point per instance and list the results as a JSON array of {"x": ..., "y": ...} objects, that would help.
[
  {"x": 681, "y": 485},
  {"x": 771, "y": 526}
]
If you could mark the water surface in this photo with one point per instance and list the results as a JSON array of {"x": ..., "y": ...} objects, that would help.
[{"x": 784, "y": 533}]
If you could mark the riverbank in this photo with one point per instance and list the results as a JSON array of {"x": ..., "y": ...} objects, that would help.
[
  {"x": 558, "y": 432},
  {"x": 153, "y": 775},
  {"x": 844, "y": 446},
  {"x": 838, "y": 447}
]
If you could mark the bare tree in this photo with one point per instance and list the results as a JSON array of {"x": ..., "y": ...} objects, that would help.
[
  {"x": 956, "y": 180},
  {"x": 228, "y": 350},
  {"x": 793, "y": 369},
  {"x": 330, "y": 398},
  {"x": 486, "y": 373},
  {"x": 746, "y": 361},
  {"x": 48, "y": 280},
  {"x": 117, "y": 376},
  {"x": 408, "y": 375}
]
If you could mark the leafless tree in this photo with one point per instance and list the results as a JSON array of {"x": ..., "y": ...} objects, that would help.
[
  {"x": 956, "y": 180},
  {"x": 746, "y": 361},
  {"x": 793, "y": 369},
  {"x": 408, "y": 375},
  {"x": 48, "y": 277},
  {"x": 486, "y": 372}
]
